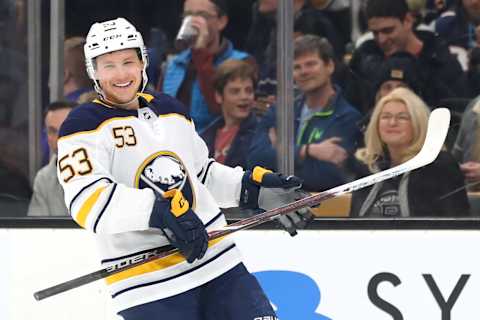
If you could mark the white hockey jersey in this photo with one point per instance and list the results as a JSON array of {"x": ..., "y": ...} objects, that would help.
[{"x": 102, "y": 151}]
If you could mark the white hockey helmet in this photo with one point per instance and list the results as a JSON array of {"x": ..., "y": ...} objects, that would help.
[{"x": 109, "y": 36}]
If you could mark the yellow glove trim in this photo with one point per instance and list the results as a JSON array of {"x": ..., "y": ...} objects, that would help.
[
  {"x": 258, "y": 173},
  {"x": 178, "y": 204}
]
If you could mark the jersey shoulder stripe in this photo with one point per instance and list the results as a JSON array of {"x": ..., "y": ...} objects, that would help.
[
  {"x": 90, "y": 116},
  {"x": 163, "y": 104}
]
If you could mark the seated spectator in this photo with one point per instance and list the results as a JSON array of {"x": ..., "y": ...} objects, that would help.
[
  {"x": 457, "y": 26},
  {"x": 87, "y": 97},
  {"x": 467, "y": 147},
  {"x": 392, "y": 26},
  {"x": 159, "y": 47},
  {"x": 340, "y": 13},
  {"x": 262, "y": 30},
  {"x": 189, "y": 75},
  {"x": 395, "y": 134},
  {"x": 399, "y": 70},
  {"x": 471, "y": 171},
  {"x": 13, "y": 80},
  {"x": 14, "y": 111},
  {"x": 473, "y": 72},
  {"x": 312, "y": 21},
  {"x": 229, "y": 137},
  {"x": 15, "y": 190},
  {"x": 75, "y": 78},
  {"x": 434, "y": 9},
  {"x": 262, "y": 37},
  {"x": 325, "y": 123},
  {"x": 75, "y": 82},
  {"x": 47, "y": 198}
]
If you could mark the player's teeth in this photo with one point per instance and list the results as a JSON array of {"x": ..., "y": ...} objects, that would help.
[{"x": 123, "y": 84}]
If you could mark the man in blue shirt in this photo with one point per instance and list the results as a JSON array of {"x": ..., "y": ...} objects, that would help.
[
  {"x": 189, "y": 75},
  {"x": 325, "y": 123}
]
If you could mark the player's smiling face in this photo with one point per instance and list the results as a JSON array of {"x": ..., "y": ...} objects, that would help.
[{"x": 120, "y": 75}]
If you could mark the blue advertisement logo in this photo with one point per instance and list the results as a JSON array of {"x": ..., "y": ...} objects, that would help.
[{"x": 295, "y": 294}]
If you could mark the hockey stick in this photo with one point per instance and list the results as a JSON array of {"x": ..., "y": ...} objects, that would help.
[{"x": 437, "y": 131}]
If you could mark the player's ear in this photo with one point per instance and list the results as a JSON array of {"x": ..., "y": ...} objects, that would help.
[{"x": 67, "y": 74}]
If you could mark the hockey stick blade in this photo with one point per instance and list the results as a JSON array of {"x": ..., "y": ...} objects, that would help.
[{"x": 438, "y": 124}]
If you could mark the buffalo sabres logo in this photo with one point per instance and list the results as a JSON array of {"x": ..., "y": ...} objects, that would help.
[{"x": 167, "y": 172}]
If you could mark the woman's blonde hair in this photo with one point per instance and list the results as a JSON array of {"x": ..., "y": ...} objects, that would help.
[{"x": 419, "y": 113}]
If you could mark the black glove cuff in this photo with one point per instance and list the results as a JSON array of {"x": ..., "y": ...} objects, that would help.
[{"x": 249, "y": 192}]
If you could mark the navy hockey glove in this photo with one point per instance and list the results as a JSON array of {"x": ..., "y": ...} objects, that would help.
[
  {"x": 267, "y": 190},
  {"x": 180, "y": 224},
  {"x": 261, "y": 177}
]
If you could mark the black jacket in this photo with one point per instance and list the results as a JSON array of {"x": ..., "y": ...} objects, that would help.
[
  {"x": 238, "y": 151},
  {"x": 426, "y": 187},
  {"x": 440, "y": 72},
  {"x": 456, "y": 28}
]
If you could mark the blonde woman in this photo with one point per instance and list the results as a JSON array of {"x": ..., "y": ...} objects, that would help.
[{"x": 396, "y": 133}]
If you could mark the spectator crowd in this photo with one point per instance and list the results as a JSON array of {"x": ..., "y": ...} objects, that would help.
[{"x": 360, "y": 105}]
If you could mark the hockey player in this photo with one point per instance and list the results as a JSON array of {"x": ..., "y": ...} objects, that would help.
[{"x": 109, "y": 152}]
